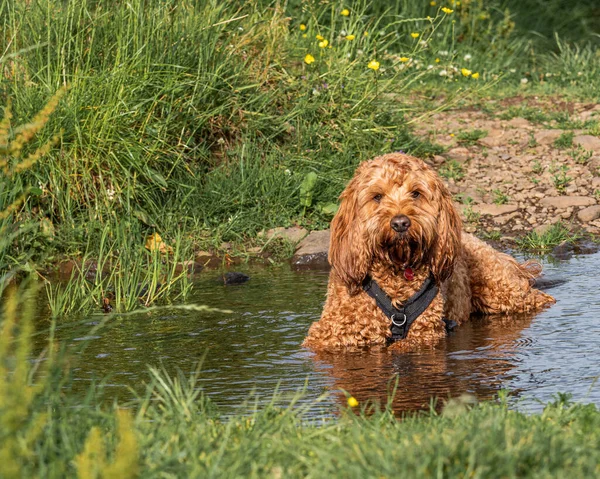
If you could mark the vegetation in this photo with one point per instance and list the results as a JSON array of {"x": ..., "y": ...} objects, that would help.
[
  {"x": 543, "y": 242},
  {"x": 206, "y": 122}
]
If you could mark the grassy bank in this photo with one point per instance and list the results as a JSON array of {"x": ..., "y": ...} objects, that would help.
[
  {"x": 207, "y": 122},
  {"x": 173, "y": 430}
]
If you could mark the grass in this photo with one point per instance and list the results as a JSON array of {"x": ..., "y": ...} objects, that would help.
[
  {"x": 544, "y": 241},
  {"x": 201, "y": 121},
  {"x": 452, "y": 169},
  {"x": 470, "y": 137},
  {"x": 565, "y": 140}
]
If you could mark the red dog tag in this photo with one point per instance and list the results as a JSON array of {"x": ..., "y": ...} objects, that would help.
[{"x": 408, "y": 274}]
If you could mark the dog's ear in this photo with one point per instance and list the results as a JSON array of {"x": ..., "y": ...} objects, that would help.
[
  {"x": 349, "y": 254},
  {"x": 447, "y": 244}
]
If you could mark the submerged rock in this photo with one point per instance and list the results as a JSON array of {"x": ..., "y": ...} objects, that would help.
[{"x": 233, "y": 277}]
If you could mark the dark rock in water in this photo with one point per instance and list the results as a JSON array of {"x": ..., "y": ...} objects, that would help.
[
  {"x": 312, "y": 251},
  {"x": 587, "y": 247},
  {"x": 233, "y": 277},
  {"x": 548, "y": 283},
  {"x": 563, "y": 251}
]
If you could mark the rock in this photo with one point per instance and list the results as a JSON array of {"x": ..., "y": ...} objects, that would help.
[
  {"x": 312, "y": 251},
  {"x": 590, "y": 213},
  {"x": 547, "y": 137},
  {"x": 587, "y": 142},
  {"x": 493, "y": 138},
  {"x": 502, "y": 220},
  {"x": 208, "y": 260},
  {"x": 460, "y": 154},
  {"x": 494, "y": 210},
  {"x": 519, "y": 123},
  {"x": 294, "y": 234},
  {"x": 233, "y": 277},
  {"x": 566, "y": 201}
]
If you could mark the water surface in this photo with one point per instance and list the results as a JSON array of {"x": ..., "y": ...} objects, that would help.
[{"x": 256, "y": 350}]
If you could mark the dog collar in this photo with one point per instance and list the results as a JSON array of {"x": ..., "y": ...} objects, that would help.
[{"x": 402, "y": 318}]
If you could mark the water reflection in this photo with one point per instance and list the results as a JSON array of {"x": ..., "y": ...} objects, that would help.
[
  {"x": 257, "y": 348},
  {"x": 476, "y": 360}
]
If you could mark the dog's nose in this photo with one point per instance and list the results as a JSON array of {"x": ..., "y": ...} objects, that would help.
[{"x": 400, "y": 223}]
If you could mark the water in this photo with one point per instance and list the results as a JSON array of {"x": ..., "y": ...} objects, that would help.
[{"x": 256, "y": 350}]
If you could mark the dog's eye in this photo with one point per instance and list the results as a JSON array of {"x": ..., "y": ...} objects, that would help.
[
  {"x": 377, "y": 198},
  {"x": 415, "y": 194}
]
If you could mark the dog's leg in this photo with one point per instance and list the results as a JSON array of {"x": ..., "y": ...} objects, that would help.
[
  {"x": 499, "y": 283},
  {"x": 457, "y": 293}
]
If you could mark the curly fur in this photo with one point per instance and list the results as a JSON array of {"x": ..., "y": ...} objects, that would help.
[{"x": 473, "y": 277}]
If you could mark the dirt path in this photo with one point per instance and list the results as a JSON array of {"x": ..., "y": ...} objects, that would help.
[{"x": 521, "y": 164}]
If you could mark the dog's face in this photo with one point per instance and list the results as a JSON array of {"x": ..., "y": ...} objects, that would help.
[{"x": 395, "y": 210}]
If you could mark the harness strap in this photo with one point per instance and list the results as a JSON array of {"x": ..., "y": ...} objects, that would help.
[{"x": 402, "y": 318}]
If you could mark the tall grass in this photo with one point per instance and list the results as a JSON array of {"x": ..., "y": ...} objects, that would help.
[{"x": 202, "y": 119}]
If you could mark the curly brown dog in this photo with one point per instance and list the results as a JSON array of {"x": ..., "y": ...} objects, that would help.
[{"x": 397, "y": 227}]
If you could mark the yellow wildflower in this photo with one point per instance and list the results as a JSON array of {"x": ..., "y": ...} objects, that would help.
[
  {"x": 447, "y": 10},
  {"x": 352, "y": 402},
  {"x": 304, "y": 35},
  {"x": 302, "y": 27},
  {"x": 414, "y": 35},
  {"x": 451, "y": 134},
  {"x": 465, "y": 72},
  {"x": 475, "y": 75},
  {"x": 373, "y": 65},
  {"x": 433, "y": 3},
  {"x": 350, "y": 37},
  {"x": 324, "y": 43},
  {"x": 365, "y": 34},
  {"x": 437, "y": 60},
  {"x": 345, "y": 12},
  {"x": 404, "y": 59},
  {"x": 320, "y": 38},
  {"x": 308, "y": 59}
]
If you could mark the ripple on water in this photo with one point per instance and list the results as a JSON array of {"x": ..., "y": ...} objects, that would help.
[{"x": 256, "y": 350}]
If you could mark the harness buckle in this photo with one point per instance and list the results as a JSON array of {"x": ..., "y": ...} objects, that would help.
[{"x": 393, "y": 318}]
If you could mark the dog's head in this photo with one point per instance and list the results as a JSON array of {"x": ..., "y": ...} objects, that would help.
[{"x": 395, "y": 210}]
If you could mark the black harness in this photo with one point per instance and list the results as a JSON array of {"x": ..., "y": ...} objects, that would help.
[{"x": 402, "y": 318}]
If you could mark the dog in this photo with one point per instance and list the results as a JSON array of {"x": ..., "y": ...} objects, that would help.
[{"x": 403, "y": 270}]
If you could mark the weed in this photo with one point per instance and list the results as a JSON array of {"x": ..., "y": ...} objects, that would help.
[
  {"x": 500, "y": 198},
  {"x": 492, "y": 235},
  {"x": 560, "y": 180},
  {"x": 551, "y": 237},
  {"x": 464, "y": 199},
  {"x": 537, "y": 167},
  {"x": 470, "y": 215},
  {"x": 532, "y": 143},
  {"x": 470, "y": 137},
  {"x": 452, "y": 169},
  {"x": 565, "y": 140},
  {"x": 581, "y": 155}
]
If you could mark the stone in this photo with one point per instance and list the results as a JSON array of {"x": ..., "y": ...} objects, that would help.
[
  {"x": 547, "y": 137},
  {"x": 460, "y": 154},
  {"x": 494, "y": 138},
  {"x": 295, "y": 234},
  {"x": 519, "y": 123},
  {"x": 590, "y": 213},
  {"x": 494, "y": 210},
  {"x": 560, "y": 202},
  {"x": 312, "y": 251},
  {"x": 234, "y": 277},
  {"x": 587, "y": 142},
  {"x": 502, "y": 220}
]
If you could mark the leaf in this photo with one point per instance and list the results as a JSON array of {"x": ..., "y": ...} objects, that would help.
[
  {"x": 143, "y": 217},
  {"x": 307, "y": 188},
  {"x": 157, "y": 177},
  {"x": 329, "y": 209}
]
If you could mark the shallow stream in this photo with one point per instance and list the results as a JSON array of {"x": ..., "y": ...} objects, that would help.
[{"x": 256, "y": 350}]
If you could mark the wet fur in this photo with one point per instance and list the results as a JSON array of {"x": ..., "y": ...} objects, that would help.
[{"x": 473, "y": 277}]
